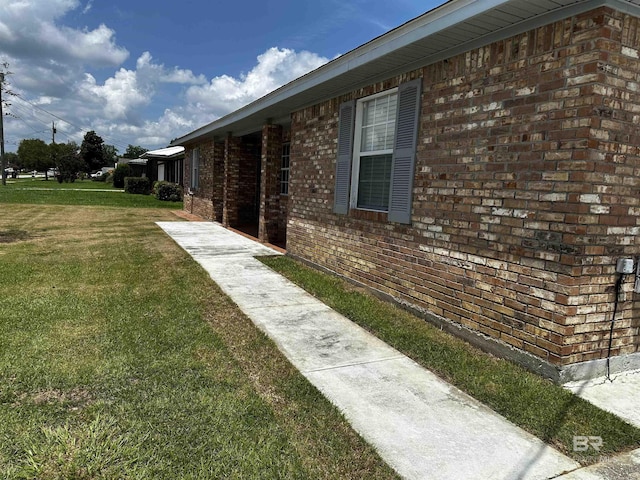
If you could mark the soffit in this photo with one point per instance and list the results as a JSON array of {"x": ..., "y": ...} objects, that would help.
[{"x": 453, "y": 28}]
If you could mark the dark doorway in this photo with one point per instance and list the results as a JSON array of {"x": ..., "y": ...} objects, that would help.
[{"x": 249, "y": 183}]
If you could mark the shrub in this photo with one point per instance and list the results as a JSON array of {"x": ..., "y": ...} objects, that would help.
[
  {"x": 137, "y": 185},
  {"x": 167, "y": 191},
  {"x": 120, "y": 173}
]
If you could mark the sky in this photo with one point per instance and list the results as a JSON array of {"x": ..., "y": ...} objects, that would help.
[{"x": 144, "y": 72}]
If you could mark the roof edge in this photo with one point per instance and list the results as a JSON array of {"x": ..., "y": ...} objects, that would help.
[{"x": 429, "y": 23}]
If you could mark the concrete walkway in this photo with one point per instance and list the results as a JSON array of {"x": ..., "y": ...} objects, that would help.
[
  {"x": 620, "y": 395},
  {"x": 420, "y": 425}
]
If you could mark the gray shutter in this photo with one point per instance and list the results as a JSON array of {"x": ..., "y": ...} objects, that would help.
[
  {"x": 404, "y": 152},
  {"x": 345, "y": 152}
]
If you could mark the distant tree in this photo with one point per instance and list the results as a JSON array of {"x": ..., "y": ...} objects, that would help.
[
  {"x": 134, "y": 151},
  {"x": 92, "y": 151},
  {"x": 13, "y": 160},
  {"x": 110, "y": 155},
  {"x": 68, "y": 161},
  {"x": 34, "y": 154},
  {"x": 121, "y": 172}
]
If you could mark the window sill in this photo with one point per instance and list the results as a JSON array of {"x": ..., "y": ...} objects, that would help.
[{"x": 370, "y": 215}]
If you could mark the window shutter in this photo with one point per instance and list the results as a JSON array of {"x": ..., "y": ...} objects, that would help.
[
  {"x": 195, "y": 168},
  {"x": 345, "y": 152},
  {"x": 404, "y": 152}
]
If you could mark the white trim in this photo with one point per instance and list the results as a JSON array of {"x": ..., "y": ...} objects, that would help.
[
  {"x": 357, "y": 140},
  {"x": 283, "y": 169},
  {"x": 330, "y": 80}
]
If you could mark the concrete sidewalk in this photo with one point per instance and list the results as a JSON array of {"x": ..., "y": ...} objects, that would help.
[{"x": 420, "y": 425}]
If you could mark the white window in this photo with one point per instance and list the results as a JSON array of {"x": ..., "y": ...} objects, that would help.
[
  {"x": 285, "y": 169},
  {"x": 195, "y": 167},
  {"x": 375, "y": 127},
  {"x": 376, "y": 152}
]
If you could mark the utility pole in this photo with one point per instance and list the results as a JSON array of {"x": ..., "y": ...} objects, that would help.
[
  {"x": 3, "y": 161},
  {"x": 53, "y": 149}
]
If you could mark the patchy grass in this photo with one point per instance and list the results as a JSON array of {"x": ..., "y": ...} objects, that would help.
[
  {"x": 531, "y": 402},
  {"x": 12, "y": 235},
  {"x": 119, "y": 358}
]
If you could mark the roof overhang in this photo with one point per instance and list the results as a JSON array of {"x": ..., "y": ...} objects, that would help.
[
  {"x": 134, "y": 161},
  {"x": 168, "y": 153},
  {"x": 450, "y": 29}
]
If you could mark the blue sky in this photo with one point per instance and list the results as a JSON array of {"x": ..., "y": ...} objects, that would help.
[{"x": 142, "y": 72}]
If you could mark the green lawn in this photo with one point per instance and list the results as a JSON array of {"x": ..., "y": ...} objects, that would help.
[
  {"x": 120, "y": 358},
  {"x": 531, "y": 402},
  {"x": 40, "y": 182},
  {"x": 50, "y": 192}
]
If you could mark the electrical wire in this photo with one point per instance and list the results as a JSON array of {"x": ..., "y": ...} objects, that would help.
[
  {"x": 613, "y": 321},
  {"x": 82, "y": 130}
]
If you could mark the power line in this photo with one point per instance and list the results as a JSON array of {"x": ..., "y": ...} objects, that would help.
[{"x": 82, "y": 130}]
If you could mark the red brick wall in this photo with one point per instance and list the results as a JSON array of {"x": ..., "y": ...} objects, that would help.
[
  {"x": 200, "y": 202},
  {"x": 270, "y": 183},
  {"x": 526, "y": 192}
]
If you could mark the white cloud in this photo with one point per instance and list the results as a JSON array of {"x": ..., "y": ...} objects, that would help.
[
  {"x": 275, "y": 68},
  {"x": 154, "y": 72},
  {"x": 123, "y": 95},
  {"x": 61, "y": 70},
  {"x": 30, "y": 28}
]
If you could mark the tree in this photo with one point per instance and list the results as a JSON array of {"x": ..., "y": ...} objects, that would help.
[
  {"x": 34, "y": 154},
  {"x": 92, "y": 151},
  {"x": 12, "y": 160},
  {"x": 68, "y": 161},
  {"x": 121, "y": 172},
  {"x": 110, "y": 155},
  {"x": 134, "y": 151}
]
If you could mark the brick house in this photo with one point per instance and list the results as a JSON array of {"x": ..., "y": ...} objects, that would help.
[{"x": 479, "y": 164}]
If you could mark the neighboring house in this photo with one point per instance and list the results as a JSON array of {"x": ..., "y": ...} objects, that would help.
[
  {"x": 138, "y": 166},
  {"x": 166, "y": 164},
  {"x": 163, "y": 164},
  {"x": 479, "y": 164}
]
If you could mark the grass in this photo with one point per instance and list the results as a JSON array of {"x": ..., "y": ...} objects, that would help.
[
  {"x": 531, "y": 402},
  {"x": 52, "y": 183},
  {"x": 120, "y": 358},
  {"x": 49, "y": 192}
]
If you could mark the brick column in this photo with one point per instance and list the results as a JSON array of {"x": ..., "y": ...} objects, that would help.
[
  {"x": 219, "y": 149},
  {"x": 269, "y": 184},
  {"x": 232, "y": 150}
]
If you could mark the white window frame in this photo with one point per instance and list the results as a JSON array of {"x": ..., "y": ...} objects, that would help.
[
  {"x": 195, "y": 168},
  {"x": 357, "y": 140},
  {"x": 285, "y": 171}
]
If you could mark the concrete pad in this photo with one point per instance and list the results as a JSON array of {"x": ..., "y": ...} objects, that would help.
[
  {"x": 421, "y": 426},
  {"x": 620, "y": 396},
  {"x": 622, "y": 467}
]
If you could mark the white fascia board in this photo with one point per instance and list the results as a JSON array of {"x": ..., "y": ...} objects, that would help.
[
  {"x": 447, "y": 15},
  {"x": 440, "y": 18},
  {"x": 167, "y": 152}
]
